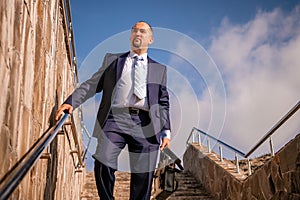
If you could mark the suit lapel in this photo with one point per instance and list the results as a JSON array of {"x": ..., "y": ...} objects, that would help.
[
  {"x": 150, "y": 79},
  {"x": 120, "y": 65}
]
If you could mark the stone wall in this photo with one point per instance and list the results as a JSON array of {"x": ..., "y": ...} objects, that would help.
[
  {"x": 278, "y": 178},
  {"x": 36, "y": 76}
]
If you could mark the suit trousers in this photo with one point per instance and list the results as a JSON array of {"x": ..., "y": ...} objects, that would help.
[{"x": 136, "y": 131}]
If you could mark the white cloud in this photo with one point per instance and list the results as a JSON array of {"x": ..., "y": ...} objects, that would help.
[
  {"x": 191, "y": 69},
  {"x": 260, "y": 64}
]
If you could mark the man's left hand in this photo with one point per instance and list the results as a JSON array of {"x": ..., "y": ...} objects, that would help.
[{"x": 165, "y": 143}]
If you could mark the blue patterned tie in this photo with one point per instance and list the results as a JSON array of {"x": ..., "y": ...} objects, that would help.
[{"x": 140, "y": 76}]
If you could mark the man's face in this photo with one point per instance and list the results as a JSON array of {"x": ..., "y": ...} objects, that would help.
[{"x": 141, "y": 36}]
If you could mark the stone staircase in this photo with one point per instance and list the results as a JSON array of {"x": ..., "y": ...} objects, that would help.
[
  {"x": 273, "y": 178},
  {"x": 121, "y": 190},
  {"x": 188, "y": 188},
  {"x": 89, "y": 191}
]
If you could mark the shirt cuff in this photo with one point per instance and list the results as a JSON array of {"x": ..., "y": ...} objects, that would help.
[{"x": 166, "y": 134}]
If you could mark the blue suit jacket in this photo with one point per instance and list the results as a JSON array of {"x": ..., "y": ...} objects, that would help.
[{"x": 105, "y": 79}]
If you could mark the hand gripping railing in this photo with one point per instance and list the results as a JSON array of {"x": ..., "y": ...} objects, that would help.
[
  {"x": 268, "y": 135},
  {"x": 12, "y": 179}
]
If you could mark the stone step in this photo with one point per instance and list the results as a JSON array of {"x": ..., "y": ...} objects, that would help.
[
  {"x": 89, "y": 188},
  {"x": 121, "y": 190},
  {"x": 122, "y": 185},
  {"x": 188, "y": 188}
]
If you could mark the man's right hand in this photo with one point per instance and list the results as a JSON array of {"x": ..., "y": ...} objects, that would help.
[{"x": 64, "y": 107}]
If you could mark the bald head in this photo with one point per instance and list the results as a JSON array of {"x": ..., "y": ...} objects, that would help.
[{"x": 141, "y": 37}]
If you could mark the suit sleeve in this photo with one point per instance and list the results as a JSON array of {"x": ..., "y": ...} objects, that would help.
[
  {"x": 88, "y": 88},
  {"x": 164, "y": 103}
]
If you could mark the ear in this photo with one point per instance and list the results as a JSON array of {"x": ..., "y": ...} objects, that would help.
[{"x": 151, "y": 40}]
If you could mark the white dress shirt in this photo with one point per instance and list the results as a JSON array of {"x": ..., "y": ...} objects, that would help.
[{"x": 124, "y": 96}]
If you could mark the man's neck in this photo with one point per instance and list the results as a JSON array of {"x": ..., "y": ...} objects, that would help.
[{"x": 139, "y": 51}]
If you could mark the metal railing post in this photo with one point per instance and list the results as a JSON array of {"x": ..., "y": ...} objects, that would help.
[
  {"x": 84, "y": 130},
  {"x": 271, "y": 147},
  {"x": 237, "y": 163},
  {"x": 208, "y": 145},
  {"x": 221, "y": 153},
  {"x": 188, "y": 140},
  {"x": 193, "y": 137},
  {"x": 249, "y": 167},
  {"x": 199, "y": 139}
]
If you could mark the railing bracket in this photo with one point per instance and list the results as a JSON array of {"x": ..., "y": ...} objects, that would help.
[
  {"x": 67, "y": 123},
  {"x": 73, "y": 151},
  {"x": 78, "y": 170},
  {"x": 46, "y": 156},
  {"x": 61, "y": 132}
]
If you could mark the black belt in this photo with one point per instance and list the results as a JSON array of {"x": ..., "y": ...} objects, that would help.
[
  {"x": 136, "y": 111},
  {"x": 133, "y": 111},
  {"x": 130, "y": 110}
]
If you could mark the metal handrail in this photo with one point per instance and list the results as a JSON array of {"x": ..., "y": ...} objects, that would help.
[
  {"x": 71, "y": 51},
  {"x": 217, "y": 140},
  {"x": 68, "y": 27},
  {"x": 292, "y": 111},
  {"x": 13, "y": 178},
  {"x": 274, "y": 128},
  {"x": 236, "y": 151}
]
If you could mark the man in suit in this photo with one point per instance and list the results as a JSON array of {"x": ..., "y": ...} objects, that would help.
[{"x": 134, "y": 111}]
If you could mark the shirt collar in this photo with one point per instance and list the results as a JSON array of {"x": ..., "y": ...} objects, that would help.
[{"x": 144, "y": 56}]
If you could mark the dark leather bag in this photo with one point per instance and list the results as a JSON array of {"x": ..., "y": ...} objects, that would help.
[{"x": 165, "y": 175}]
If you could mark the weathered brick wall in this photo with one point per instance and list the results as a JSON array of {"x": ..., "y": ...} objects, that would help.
[{"x": 35, "y": 76}]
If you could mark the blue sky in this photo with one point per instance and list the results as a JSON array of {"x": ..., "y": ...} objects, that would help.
[
  {"x": 233, "y": 65},
  {"x": 95, "y": 21}
]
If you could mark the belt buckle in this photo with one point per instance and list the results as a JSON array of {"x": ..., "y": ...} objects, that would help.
[{"x": 134, "y": 111}]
